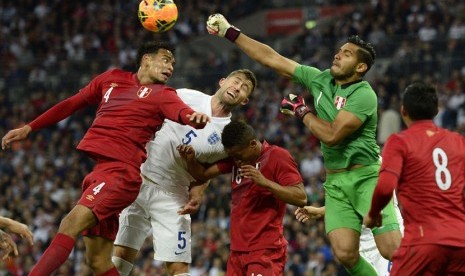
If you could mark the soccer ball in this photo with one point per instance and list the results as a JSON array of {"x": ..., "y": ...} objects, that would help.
[{"x": 158, "y": 15}]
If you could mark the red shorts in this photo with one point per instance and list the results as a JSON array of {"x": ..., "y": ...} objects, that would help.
[
  {"x": 265, "y": 262},
  {"x": 428, "y": 260},
  {"x": 107, "y": 190}
]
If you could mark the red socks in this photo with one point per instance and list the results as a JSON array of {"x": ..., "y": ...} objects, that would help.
[
  {"x": 111, "y": 272},
  {"x": 56, "y": 254}
]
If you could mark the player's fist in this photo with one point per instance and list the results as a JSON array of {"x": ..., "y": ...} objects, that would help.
[
  {"x": 218, "y": 25},
  {"x": 294, "y": 105}
]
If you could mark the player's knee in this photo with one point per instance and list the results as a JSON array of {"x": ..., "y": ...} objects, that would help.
[
  {"x": 98, "y": 262},
  {"x": 124, "y": 267},
  {"x": 387, "y": 251},
  {"x": 347, "y": 257},
  {"x": 389, "y": 245}
]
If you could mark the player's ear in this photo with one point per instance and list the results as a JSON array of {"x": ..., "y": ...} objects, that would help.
[
  {"x": 245, "y": 101},
  {"x": 221, "y": 81},
  {"x": 361, "y": 67}
]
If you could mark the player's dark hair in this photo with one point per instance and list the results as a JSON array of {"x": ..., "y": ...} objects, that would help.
[
  {"x": 366, "y": 53},
  {"x": 420, "y": 101},
  {"x": 237, "y": 133},
  {"x": 152, "y": 47},
  {"x": 248, "y": 74}
]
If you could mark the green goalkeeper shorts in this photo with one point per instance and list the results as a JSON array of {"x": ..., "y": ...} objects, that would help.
[{"x": 348, "y": 199}]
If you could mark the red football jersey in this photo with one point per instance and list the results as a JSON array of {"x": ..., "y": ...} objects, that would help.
[
  {"x": 256, "y": 215},
  {"x": 128, "y": 114},
  {"x": 430, "y": 164}
]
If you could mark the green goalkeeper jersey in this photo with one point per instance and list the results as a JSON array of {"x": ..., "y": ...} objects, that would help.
[{"x": 358, "y": 98}]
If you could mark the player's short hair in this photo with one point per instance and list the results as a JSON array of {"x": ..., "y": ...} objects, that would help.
[
  {"x": 420, "y": 101},
  {"x": 152, "y": 47},
  {"x": 237, "y": 133},
  {"x": 366, "y": 53},
  {"x": 248, "y": 74}
]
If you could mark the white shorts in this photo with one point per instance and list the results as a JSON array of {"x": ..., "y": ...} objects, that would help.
[
  {"x": 370, "y": 252},
  {"x": 156, "y": 210}
]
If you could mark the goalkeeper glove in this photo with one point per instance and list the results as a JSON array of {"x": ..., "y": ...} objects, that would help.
[
  {"x": 218, "y": 25},
  {"x": 294, "y": 105}
]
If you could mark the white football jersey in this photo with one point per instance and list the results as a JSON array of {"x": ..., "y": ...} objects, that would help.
[{"x": 164, "y": 165}]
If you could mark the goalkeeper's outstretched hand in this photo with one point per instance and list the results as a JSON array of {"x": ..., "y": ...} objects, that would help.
[
  {"x": 294, "y": 105},
  {"x": 218, "y": 25}
]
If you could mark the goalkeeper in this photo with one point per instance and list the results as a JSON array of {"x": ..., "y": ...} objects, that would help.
[{"x": 346, "y": 126}]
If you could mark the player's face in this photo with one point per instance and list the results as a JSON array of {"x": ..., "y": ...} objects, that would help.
[
  {"x": 235, "y": 90},
  {"x": 244, "y": 155},
  {"x": 160, "y": 66},
  {"x": 345, "y": 62}
]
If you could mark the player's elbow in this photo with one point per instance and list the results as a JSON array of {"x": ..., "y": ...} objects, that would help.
[
  {"x": 331, "y": 141},
  {"x": 300, "y": 198}
]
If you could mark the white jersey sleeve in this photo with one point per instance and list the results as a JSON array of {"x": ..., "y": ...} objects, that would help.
[{"x": 164, "y": 166}]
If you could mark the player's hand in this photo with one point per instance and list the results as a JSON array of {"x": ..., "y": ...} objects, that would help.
[
  {"x": 252, "y": 173},
  {"x": 294, "y": 105},
  {"x": 218, "y": 25},
  {"x": 20, "y": 229},
  {"x": 372, "y": 222},
  {"x": 309, "y": 212},
  {"x": 13, "y": 135},
  {"x": 198, "y": 120},
  {"x": 195, "y": 200},
  {"x": 7, "y": 246},
  {"x": 186, "y": 152}
]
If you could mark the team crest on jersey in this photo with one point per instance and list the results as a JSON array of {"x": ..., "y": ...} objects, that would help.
[
  {"x": 143, "y": 92},
  {"x": 339, "y": 102},
  {"x": 214, "y": 138}
]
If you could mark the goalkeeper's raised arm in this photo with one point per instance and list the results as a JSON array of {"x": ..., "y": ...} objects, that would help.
[{"x": 261, "y": 53}]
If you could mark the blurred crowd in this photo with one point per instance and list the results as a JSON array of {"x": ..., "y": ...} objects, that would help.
[{"x": 50, "y": 48}]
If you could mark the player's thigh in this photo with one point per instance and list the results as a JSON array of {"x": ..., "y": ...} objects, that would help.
[
  {"x": 267, "y": 262},
  {"x": 111, "y": 187},
  {"x": 134, "y": 222},
  {"x": 339, "y": 210},
  {"x": 171, "y": 232}
]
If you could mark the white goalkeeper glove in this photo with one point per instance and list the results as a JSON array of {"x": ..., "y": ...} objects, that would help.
[{"x": 218, "y": 25}]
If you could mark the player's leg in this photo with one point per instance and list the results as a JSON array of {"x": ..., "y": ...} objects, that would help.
[
  {"x": 77, "y": 220},
  {"x": 134, "y": 226},
  {"x": 343, "y": 220},
  {"x": 388, "y": 237},
  {"x": 369, "y": 251},
  {"x": 112, "y": 187},
  {"x": 171, "y": 232},
  {"x": 98, "y": 255}
]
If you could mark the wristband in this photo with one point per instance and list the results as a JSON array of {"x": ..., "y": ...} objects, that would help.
[{"x": 232, "y": 33}]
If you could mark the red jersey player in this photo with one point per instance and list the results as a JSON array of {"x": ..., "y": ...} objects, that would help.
[
  {"x": 427, "y": 166},
  {"x": 132, "y": 107},
  {"x": 264, "y": 179}
]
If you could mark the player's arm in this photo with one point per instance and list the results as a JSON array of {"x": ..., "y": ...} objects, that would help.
[
  {"x": 330, "y": 133},
  {"x": 394, "y": 153},
  {"x": 176, "y": 110},
  {"x": 292, "y": 194},
  {"x": 309, "y": 212},
  {"x": 52, "y": 116},
  {"x": 196, "y": 169},
  {"x": 261, "y": 53},
  {"x": 196, "y": 193},
  {"x": 16, "y": 227}
]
